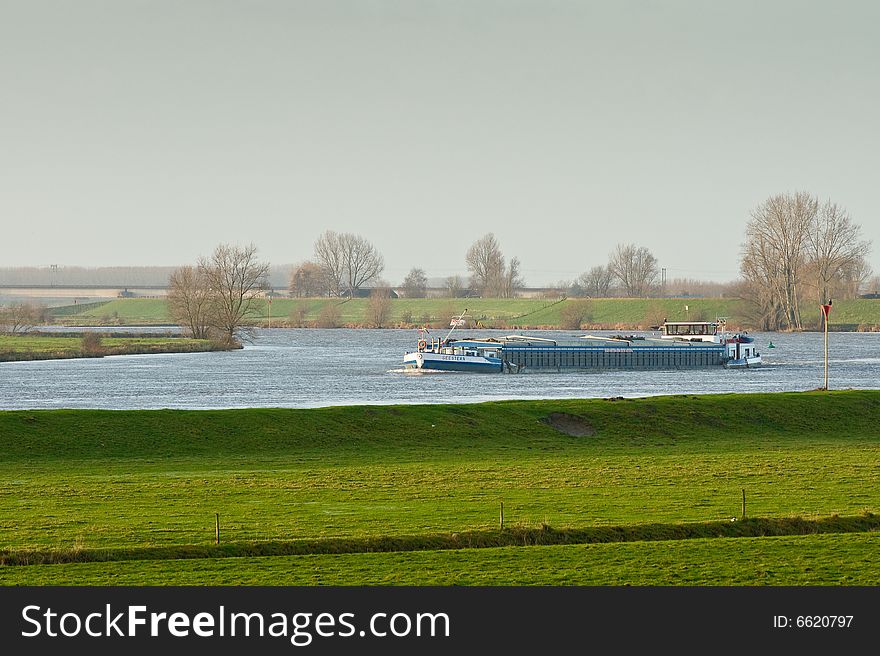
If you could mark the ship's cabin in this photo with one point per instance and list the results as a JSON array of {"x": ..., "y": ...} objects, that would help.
[
  {"x": 737, "y": 350},
  {"x": 692, "y": 330}
]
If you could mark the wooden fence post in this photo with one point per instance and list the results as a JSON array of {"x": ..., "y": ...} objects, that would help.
[{"x": 216, "y": 528}]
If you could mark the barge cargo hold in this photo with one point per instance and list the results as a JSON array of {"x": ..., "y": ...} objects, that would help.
[{"x": 684, "y": 345}]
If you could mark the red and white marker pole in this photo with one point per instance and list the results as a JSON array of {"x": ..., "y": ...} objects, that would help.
[{"x": 826, "y": 310}]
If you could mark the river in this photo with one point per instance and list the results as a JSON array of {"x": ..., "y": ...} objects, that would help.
[{"x": 301, "y": 368}]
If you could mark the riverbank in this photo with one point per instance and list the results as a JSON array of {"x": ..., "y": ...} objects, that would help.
[
  {"x": 515, "y": 313},
  {"x": 47, "y": 346},
  {"x": 334, "y": 482}
]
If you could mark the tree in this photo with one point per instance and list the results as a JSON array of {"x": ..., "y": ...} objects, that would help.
[
  {"x": 596, "y": 282},
  {"x": 635, "y": 268},
  {"x": 308, "y": 280},
  {"x": 835, "y": 249},
  {"x": 562, "y": 289},
  {"x": 298, "y": 314},
  {"x": 363, "y": 263},
  {"x": 773, "y": 256},
  {"x": 489, "y": 271},
  {"x": 485, "y": 263},
  {"x": 762, "y": 308},
  {"x": 236, "y": 279},
  {"x": 415, "y": 284},
  {"x": 379, "y": 306},
  {"x": 513, "y": 281},
  {"x": 329, "y": 316},
  {"x": 454, "y": 286},
  {"x": 18, "y": 318},
  {"x": 793, "y": 243},
  {"x": 190, "y": 302},
  {"x": 91, "y": 344},
  {"x": 349, "y": 261},
  {"x": 853, "y": 278},
  {"x": 574, "y": 313},
  {"x": 329, "y": 254}
]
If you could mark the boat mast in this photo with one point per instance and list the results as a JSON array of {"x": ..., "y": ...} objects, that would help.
[{"x": 454, "y": 325}]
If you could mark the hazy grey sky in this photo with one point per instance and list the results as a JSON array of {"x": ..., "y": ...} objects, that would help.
[{"x": 146, "y": 132}]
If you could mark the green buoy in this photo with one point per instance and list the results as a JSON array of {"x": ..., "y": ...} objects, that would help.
[{"x": 770, "y": 345}]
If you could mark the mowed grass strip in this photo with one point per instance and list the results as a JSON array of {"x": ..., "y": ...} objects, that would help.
[
  {"x": 832, "y": 559},
  {"x": 88, "y": 479}
]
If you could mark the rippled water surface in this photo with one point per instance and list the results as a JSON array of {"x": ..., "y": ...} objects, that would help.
[{"x": 309, "y": 368}]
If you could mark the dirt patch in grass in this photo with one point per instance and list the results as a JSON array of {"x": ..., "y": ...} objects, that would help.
[{"x": 573, "y": 425}]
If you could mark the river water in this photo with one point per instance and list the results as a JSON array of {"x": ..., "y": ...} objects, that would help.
[{"x": 311, "y": 368}]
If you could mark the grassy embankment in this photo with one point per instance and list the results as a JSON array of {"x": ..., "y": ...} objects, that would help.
[
  {"x": 49, "y": 347},
  {"x": 613, "y": 313},
  {"x": 141, "y": 488}
]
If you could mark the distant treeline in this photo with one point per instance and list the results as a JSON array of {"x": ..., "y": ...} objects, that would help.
[{"x": 121, "y": 276}]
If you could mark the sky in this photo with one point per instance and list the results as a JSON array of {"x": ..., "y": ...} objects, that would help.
[{"x": 147, "y": 132}]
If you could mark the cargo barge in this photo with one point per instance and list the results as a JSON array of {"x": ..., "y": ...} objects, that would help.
[{"x": 682, "y": 345}]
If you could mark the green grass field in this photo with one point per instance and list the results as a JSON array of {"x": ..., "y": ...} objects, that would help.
[
  {"x": 858, "y": 313},
  {"x": 79, "y": 480},
  {"x": 41, "y": 347},
  {"x": 147, "y": 311},
  {"x": 623, "y": 313}
]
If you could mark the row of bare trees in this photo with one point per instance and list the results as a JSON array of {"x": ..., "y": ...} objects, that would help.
[
  {"x": 631, "y": 271},
  {"x": 796, "y": 249},
  {"x": 220, "y": 296},
  {"x": 795, "y": 246},
  {"x": 344, "y": 263}
]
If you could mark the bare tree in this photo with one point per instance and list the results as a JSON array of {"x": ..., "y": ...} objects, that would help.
[
  {"x": 415, "y": 283},
  {"x": 91, "y": 344},
  {"x": 790, "y": 241},
  {"x": 379, "y": 306},
  {"x": 298, "y": 314},
  {"x": 834, "y": 247},
  {"x": 190, "y": 302},
  {"x": 513, "y": 280},
  {"x": 485, "y": 263},
  {"x": 454, "y": 286},
  {"x": 308, "y": 280},
  {"x": 574, "y": 313},
  {"x": 763, "y": 308},
  {"x": 329, "y": 254},
  {"x": 636, "y": 269},
  {"x": 236, "y": 279},
  {"x": 489, "y": 271},
  {"x": 349, "y": 261},
  {"x": 329, "y": 316},
  {"x": 363, "y": 263},
  {"x": 774, "y": 254},
  {"x": 596, "y": 282},
  {"x": 563, "y": 288},
  {"x": 18, "y": 318},
  {"x": 853, "y": 278}
]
